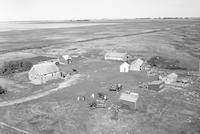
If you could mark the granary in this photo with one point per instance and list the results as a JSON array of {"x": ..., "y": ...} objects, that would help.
[
  {"x": 129, "y": 100},
  {"x": 156, "y": 85},
  {"x": 169, "y": 78},
  {"x": 136, "y": 65},
  {"x": 65, "y": 59},
  {"x": 124, "y": 67},
  {"x": 116, "y": 56},
  {"x": 43, "y": 72}
]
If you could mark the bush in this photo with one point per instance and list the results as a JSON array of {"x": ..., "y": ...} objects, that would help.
[
  {"x": 15, "y": 66},
  {"x": 2, "y": 90}
]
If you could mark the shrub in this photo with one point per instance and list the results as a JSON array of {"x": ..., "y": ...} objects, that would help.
[
  {"x": 15, "y": 66},
  {"x": 2, "y": 90}
]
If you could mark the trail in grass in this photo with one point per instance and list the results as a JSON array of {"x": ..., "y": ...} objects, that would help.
[{"x": 62, "y": 85}]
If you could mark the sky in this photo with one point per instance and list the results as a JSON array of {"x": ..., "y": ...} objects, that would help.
[{"x": 22, "y": 10}]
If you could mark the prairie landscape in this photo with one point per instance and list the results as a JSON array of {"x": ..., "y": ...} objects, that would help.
[{"x": 52, "y": 108}]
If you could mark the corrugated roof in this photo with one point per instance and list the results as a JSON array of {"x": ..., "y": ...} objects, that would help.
[
  {"x": 115, "y": 54},
  {"x": 45, "y": 68},
  {"x": 131, "y": 97}
]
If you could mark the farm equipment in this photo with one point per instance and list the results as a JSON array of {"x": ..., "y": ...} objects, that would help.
[
  {"x": 117, "y": 88},
  {"x": 102, "y": 96},
  {"x": 115, "y": 110},
  {"x": 75, "y": 70},
  {"x": 97, "y": 104}
]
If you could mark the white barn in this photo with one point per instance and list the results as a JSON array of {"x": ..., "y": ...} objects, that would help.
[
  {"x": 116, "y": 56},
  {"x": 136, "y": 65},
  {"x": 43, "y": 72},
  {"x": 124, "y": 67}
]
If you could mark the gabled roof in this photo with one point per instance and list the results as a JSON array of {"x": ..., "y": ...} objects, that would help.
[
  {"x": 125, "y": 64},
  {"x": 131, "y": 97},
  {"x": 66, "y": 57},
  {"x": 115, "y": 54},
  {"x": 45, "y": 68},
  {"x": 137, "y": 62}
]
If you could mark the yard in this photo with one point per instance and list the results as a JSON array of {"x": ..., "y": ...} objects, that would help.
[{"x": 170, "y": 111}]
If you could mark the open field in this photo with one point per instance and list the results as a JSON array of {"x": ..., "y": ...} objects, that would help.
[{"x": 57, "y": 111}]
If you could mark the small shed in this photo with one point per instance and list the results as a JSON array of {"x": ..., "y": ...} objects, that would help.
[
  {"x": 170, "y": 78},
  {"x": 129, "y": 100},
  {"x": 136, "y": 65},
  {"x": 116, "y": 56},
  {"x": 65, "y": 59},
  {"x": 124, "y": 67},
  {"x": 43, "y": 72},
  {"x": 156, "y": 85}
]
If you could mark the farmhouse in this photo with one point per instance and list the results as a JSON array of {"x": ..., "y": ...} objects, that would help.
[
  {"x": 124, "y": 67},
  {"x": 136, "y": 65},
  {"x": 43, "y": 72},
  {"x": 116, "y": 56},
  {"x": 129, "y": 100}
]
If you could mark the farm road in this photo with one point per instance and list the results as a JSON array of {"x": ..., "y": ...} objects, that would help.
[{"x": 62, "y": 85}]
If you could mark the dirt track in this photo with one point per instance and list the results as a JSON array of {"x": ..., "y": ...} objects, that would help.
[{"x": 62, "y": 85}]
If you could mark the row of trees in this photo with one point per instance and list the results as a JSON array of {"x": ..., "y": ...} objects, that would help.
[{"x": 15, "y": 66}]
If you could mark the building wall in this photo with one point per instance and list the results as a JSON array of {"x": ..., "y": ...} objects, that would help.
[
  {"x": 51, "y": 76},
  {"x": 128, "y": 104},
  {"x": 36, "y": 78},
  {"x": 124, "y": 68},
  {"x": 156, "y": 87},
  {"x": 114, "y": 58},
  {"x": 118, "y": 58},
  {"x": 135, "y": 67}
]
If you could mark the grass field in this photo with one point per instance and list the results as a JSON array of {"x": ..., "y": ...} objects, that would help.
[{"x": 171, "y": 111}]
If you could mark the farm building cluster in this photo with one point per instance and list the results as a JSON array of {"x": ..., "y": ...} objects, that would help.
[
  {"x": 45, "y": 71},
  {"x": 116, "y": 96}
]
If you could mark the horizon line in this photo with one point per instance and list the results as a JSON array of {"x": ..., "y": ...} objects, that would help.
[{"x": 103, "y": 19}]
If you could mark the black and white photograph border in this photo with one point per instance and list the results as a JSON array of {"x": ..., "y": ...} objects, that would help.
[{"x": 99, "y": 67}]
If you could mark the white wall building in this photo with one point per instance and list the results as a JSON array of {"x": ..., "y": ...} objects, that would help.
[
  {"x": 136, "y": 65},
  {"x": 43, "y": 72},
  {"x": 124, "y": 67},
  {"x": 116, "y": 56}
]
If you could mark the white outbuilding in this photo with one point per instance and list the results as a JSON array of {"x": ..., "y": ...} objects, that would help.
[
  {"x": 171, "y": 78},
  {"x": 136, "y": 65},
  {"x": 124, "y": 67},
  {"x": 116, "y": 56},
  {"x": 43, "y": 72},
  {"x": 65, "y": 59}
]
